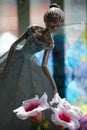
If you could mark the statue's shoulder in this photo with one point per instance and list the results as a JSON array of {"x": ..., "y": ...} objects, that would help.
[
  {"x": 41, "y": 34},
  {"x": 37, "y": 28}
]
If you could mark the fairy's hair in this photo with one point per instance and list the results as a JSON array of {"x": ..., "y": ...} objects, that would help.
[
  {"x": 54, "y": 5},
  {"x": 54, "y": 13}
]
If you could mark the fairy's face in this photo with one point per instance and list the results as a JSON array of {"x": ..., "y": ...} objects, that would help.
[
  {"x": 53, "y": 18},
  {"x": 52, "y": 25}
]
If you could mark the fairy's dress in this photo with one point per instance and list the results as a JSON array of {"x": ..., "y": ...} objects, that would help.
[{"x": 25, "y": 79}]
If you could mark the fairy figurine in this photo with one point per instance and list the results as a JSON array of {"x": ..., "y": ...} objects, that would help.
[{"x": 21, "y": 75}]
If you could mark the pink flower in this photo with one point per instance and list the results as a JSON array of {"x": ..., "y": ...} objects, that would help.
[
  {"x": 63, "y": 118},
  {"x": 66, "y": 115},
  {"x": 62, "y": 101},
  {"x": 32, "y": 108},
  {"x": 76, "y": 112}
]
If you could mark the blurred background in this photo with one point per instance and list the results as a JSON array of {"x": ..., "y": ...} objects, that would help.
[{"x": 68, "y": 60}]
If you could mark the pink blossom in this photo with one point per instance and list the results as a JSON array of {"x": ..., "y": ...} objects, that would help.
[
  {"x": 66, "y": 115},
  {"x": 32, "y": 108},
  {"x": 63, "y": 118},
  {"x": 76, "y": 111}
]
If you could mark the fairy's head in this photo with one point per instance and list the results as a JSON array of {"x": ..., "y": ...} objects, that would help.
[{"x": 54, "y": 17}]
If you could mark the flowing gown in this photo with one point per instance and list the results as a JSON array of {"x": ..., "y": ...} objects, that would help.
[{"x": 25, "y": 79}]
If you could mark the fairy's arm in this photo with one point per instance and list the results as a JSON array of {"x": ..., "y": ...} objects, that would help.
[
  {"x": 10, "y": 54},
  {"x": 46, "y": 69}
]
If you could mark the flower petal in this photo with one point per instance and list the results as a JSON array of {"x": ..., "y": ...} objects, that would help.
[
  {"x": 32, "y": 106},
  {"x": 20, "y": 112},
  {"x": 55, "y": 99},
  {"x": 26, "y": 102},
  {"x": 70, "y": 114}
]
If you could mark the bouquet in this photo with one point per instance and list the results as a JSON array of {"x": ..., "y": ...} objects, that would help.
[{"x": 64, "y": 115}]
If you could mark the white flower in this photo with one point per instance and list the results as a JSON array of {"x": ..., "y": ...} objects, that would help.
[
  {"x": 61, "y": 117},
  {"x": 65, "y": 114},
  {"x": 75, "y": 111},
  {"x": 32, "y": 107}
]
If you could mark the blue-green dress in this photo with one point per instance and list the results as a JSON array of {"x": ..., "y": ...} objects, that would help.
[{"x": 25, "y": 79}]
